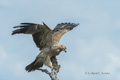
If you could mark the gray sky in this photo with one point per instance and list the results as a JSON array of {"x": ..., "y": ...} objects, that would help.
[{"x": 93, "y": 46}]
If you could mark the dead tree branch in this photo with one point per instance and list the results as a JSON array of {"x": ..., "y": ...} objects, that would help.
[{"x": 54, "y": 71}]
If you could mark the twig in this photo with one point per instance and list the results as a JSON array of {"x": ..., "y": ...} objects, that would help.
[{"x": 45, "y": 70}]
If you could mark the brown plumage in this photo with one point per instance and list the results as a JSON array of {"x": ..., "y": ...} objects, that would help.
[{"x": 46, "y": 40}]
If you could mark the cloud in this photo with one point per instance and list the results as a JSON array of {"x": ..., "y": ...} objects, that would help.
[
  {"x": 114, "y": 64},
  {"x": 97, "y": 55},
  {"x": 3, "y": 55}
]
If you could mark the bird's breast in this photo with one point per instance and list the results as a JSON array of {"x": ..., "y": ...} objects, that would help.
[
  {"x": 51, "y": 51},
  {"x": 46, "y": 49}
]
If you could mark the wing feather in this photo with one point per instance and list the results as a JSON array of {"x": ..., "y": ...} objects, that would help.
[
  {"x": 41, "y": 33},
  {"x": 61, "y": 29}
]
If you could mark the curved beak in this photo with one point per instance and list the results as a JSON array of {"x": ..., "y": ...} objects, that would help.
[{"x": 65, "y": 50}]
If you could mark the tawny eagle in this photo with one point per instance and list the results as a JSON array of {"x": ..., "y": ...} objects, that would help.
[{"x": 46, "y": 40}]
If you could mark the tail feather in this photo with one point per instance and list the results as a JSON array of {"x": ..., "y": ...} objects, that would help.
[{"x": 33, "y": 66}]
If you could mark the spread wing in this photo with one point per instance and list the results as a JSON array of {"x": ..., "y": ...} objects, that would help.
[
  {"x": 41, "y": 33},
  {"x": 61, "y": 29}
]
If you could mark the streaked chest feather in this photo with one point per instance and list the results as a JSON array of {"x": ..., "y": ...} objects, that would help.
[
  {"x": 46, "y": 49},
  {"x": 52, "y": 51}
]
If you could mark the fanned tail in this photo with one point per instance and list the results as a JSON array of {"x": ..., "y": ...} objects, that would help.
[{"x": 33, "y": 66}]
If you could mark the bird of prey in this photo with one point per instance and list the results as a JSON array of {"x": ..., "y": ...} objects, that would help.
[{"x": 46, "y": 40}]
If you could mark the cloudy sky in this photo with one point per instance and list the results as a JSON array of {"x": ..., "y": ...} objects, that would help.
[{"x": 93, "y": 46}]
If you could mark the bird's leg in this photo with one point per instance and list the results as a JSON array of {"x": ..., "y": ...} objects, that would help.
[
  {"x": 55, "y": 69},
  {"x": 55, "y": 63},
  {"x": 49, "y": 65},
  {"x": 47, "y": 62}
]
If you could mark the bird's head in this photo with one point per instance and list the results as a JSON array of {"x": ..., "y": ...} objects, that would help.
[{"x": 63, "y": 48}]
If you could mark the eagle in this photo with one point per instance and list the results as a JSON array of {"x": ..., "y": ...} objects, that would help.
[{"x": 46, "y": 40}]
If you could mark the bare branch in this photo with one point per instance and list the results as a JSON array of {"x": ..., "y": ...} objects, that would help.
[
  {"x": 45, "y": 70},
  {"x": 54, "y": 71}
]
